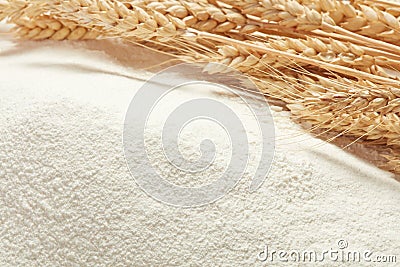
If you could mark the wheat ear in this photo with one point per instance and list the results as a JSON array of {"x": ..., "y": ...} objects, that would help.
[
  {"x": 45, "y": 27},
  {"x": 292, "y": 14},
  {"x": 362, "y": 17},
  {"x": 42, "y": 26},
  {"x": 273, "y": 52},
  {"x": 137, "y": 20}
]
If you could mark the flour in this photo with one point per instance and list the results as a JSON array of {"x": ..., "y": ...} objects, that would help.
[{"x": 67, "y": 198}]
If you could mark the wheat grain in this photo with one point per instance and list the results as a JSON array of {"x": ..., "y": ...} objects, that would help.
[
  {"x": 361, "y": 17},
  {"x": 389, "y": 11}
]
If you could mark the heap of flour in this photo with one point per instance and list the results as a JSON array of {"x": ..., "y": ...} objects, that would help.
[{"x": 67, "y": 197}]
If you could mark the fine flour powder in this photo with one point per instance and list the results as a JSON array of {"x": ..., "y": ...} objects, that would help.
[{"x": 67, "y": 197}]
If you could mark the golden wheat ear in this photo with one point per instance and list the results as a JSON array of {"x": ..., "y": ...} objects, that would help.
[
  {"x": 337, "y": 17},
  {"x": 45, "y": 27}
]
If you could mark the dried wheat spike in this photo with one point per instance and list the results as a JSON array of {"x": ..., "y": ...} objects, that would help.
[
  {"x": 45, "y": 27},
  {"x": 141, "y": 21},
  {"x": 299, "y": 59},
  {"x": 12, "y": 10},
  {"x": 114, "y": 19},
  {"x": 360, "y": 109},
  {"x": 362, "y": 24},
  {"x": 334, "y": 52},
  {"x": 291, "y": 14},
  {"x": 362, "y": 18},
  {"x": 201, "y": 15},
  {"x": 249, "y": 62},
  {"x": 42, "y": 26},
  {"x": 338, "y": 53}
]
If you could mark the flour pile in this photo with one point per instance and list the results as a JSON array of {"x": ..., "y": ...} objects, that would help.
[{"x": 67, "y": 198}]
